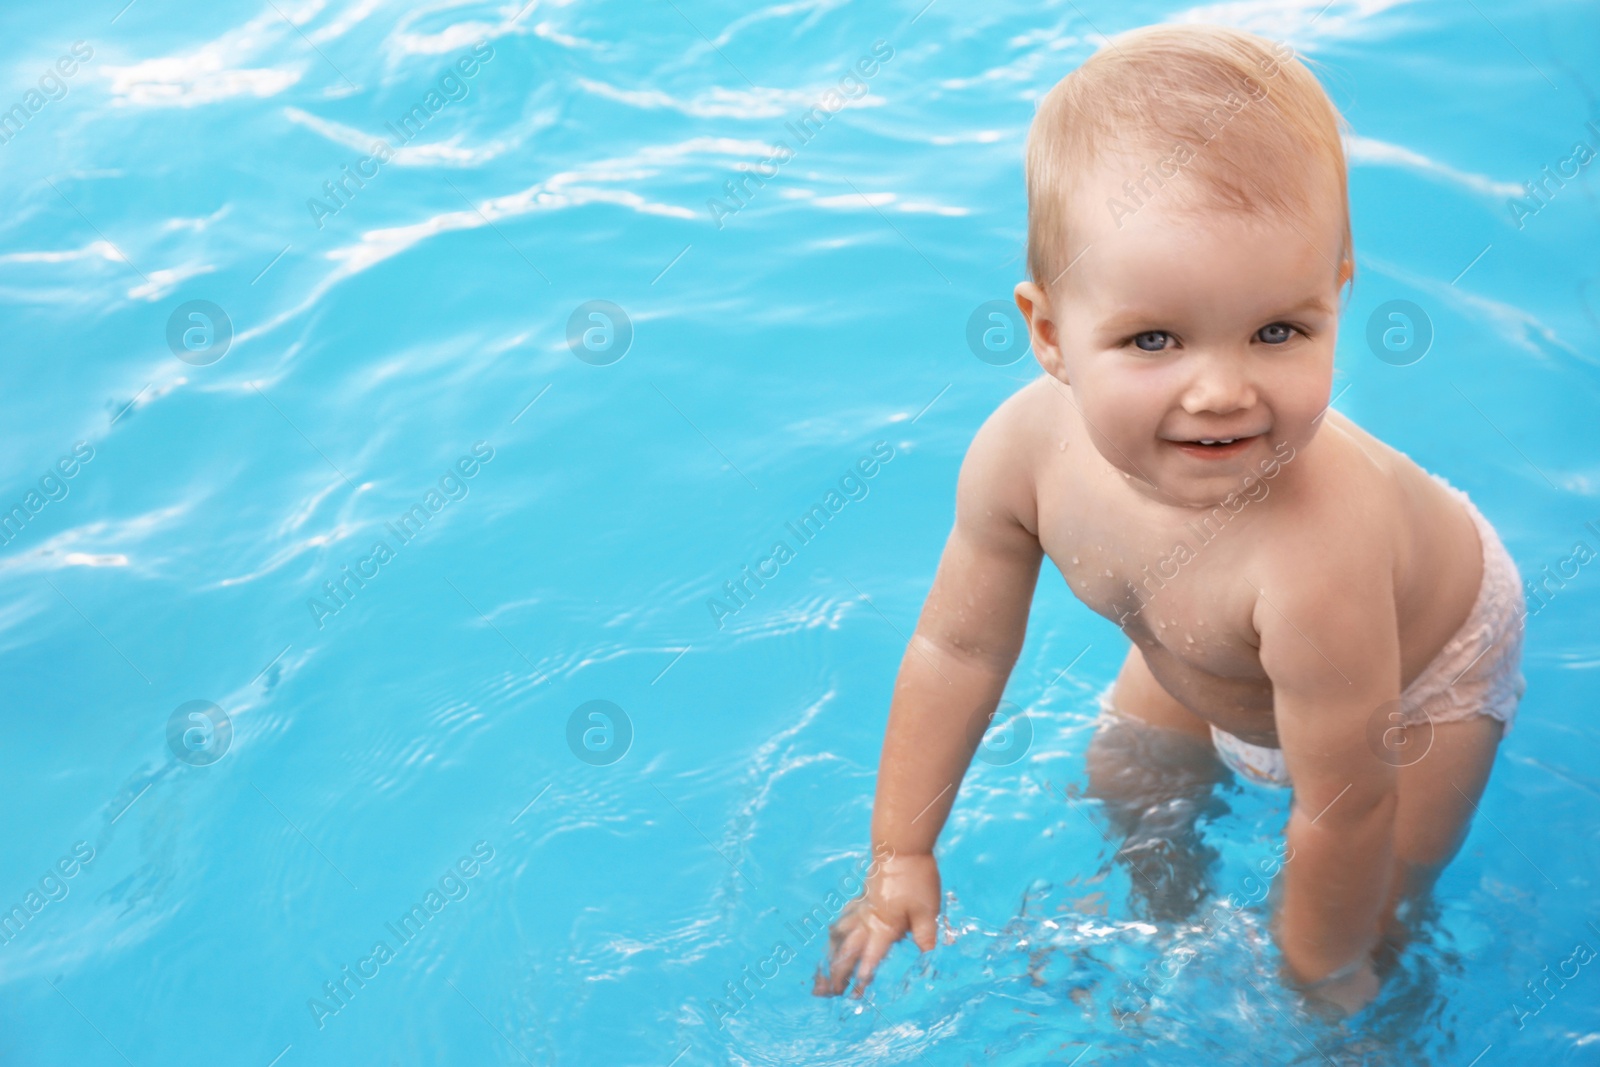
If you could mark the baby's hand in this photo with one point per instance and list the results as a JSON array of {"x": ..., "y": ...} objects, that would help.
[{"x": 902, "y": 895}]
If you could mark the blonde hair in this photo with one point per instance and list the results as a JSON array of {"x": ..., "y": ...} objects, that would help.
[{"x": 1234, "y": 120}]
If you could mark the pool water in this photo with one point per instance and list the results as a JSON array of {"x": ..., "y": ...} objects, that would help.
[{"x": 401, "y": 397}]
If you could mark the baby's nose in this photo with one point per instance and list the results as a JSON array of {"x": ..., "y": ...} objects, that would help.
[{"x": 1220, "y": 384}]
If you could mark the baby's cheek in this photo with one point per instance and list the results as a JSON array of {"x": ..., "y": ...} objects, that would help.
[
  {"x": 1126, "y": 414},
  {"x": 1117, "y": 431}
]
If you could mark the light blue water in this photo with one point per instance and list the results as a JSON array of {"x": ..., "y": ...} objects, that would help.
[{"x": 375, "y": 746}]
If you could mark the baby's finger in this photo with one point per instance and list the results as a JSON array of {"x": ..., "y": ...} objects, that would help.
[
  {"x": 878, "y": 944},
  {"x": 841, "y": 962},
  {"x": 843, "y": 927},
  {"x": 925, "y": 929}
]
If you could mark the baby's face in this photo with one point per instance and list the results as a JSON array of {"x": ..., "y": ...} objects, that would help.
[{"x": 1182, "y": 325}]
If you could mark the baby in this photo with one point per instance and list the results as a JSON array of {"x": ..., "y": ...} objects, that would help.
[{"x": 1303, "y": 601}]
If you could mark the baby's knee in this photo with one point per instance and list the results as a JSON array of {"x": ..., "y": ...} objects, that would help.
[{"x": 1427, "y": 850}]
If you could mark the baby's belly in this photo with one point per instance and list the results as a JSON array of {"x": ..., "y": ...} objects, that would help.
[{"x": 1236, "y": 702}]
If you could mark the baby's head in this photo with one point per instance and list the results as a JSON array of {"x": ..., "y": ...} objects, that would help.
[{"x": 1188, "y": 235}]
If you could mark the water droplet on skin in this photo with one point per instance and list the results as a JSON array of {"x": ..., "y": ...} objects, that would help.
[
  {"x": 1108, "y": 574},
  {"x": 1074, "y": 559}
]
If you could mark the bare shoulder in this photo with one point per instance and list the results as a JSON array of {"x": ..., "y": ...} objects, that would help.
[
  {"x": 1344, "y": 487},
  {"x": 999, "y": 475},
  {"x": 1341, "y": 522},
  {"x": 1375, "y": 533}
]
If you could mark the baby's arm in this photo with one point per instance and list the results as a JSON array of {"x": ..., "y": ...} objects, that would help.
[
  {"x": 951, "y": 677},
  {"x": 1330, "y": 643}
]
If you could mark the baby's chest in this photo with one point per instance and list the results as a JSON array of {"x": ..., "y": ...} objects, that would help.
[{"x": 1172, "y": 589}]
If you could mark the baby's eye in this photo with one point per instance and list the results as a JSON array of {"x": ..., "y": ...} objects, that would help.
[
  {"x": 1276, "y": 334},
  {"x": 1152, "y": 340}
]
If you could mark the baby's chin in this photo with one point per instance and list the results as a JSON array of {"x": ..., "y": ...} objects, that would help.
[{"x": 1178, "y": 480}]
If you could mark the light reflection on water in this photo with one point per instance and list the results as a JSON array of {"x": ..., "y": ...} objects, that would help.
[{"x": 386, "y": 328}]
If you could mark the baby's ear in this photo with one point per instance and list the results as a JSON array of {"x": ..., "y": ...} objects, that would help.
[{"x": 1036, "y": 308}]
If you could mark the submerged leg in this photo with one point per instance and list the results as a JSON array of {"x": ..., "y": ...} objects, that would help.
[
  {"x": 1152, "y": 766},
  {"x": 1439, "y": 794}
]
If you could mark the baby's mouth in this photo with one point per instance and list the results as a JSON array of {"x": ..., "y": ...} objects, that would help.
[{"x": 1216, "y": 447}]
